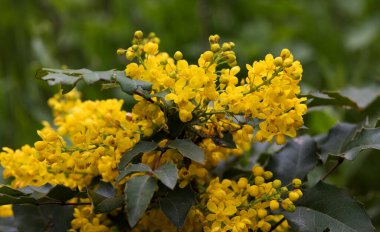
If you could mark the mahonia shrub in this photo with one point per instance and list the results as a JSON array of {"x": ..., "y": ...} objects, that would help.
[{"x": 165, "y": 165}]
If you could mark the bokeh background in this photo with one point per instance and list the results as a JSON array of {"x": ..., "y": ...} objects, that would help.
[{"x": 337, "y": 41}]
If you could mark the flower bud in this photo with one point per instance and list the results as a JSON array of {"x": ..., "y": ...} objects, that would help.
[
  {"x": 278, "y": 61},
  {"x": 178, "y": 55},
  {"x": 215, "y": 47},
  {"x": 139, "y": 34},
  {"x": 120, "y": 51}
]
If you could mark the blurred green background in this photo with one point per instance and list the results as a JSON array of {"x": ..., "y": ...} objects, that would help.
[{"x": 337, "y": 41}]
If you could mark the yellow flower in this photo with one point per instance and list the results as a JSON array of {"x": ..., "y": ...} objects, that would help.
[{"x": 220, "y": 211}]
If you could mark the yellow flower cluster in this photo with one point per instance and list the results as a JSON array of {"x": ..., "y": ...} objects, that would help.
[
  {"x": 268, "y": 93},
  {"x": 252, "y": 204},
  {"x": 89, "y": 140},
  {"x": 86, "y": 221},
  {"x": 247, "y": 204}
]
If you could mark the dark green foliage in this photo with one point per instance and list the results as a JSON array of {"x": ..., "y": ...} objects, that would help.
[
  {"x": 295, "y": 160},
  {"x": 188, "y": 149},
  {"x": 177, "y": 204},
  {"x": 328, "y": 208},
  {"x": 139, "y": 191}
]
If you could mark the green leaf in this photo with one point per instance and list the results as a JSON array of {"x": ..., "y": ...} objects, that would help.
[
  {"x": 32, "y": 218},
  {"x": 10, "y": 191},
  {"x": 140, "y": 167},
  {"x": 295, "y": 160},
  {"x": 337, "y": 137},
  {"x": 177, "y": 204},
  {"x": 109, "y": 204},
  {"x": 36, "y": 195},
  {"x": 327, "y": 208},
  {"x": 357, "y": 98},
  {"x": 103, "y": 204},
  {"x": 68, "y": 79},
  {"x": 141, "y": 147},
  {"x": 188, "y": 149},
  {"x": 138, "y": 191},
  {"x": 61, "y": 193},
  {"x": 167, "y": 174},
  {"x": 129, "y": 86},
  {"x": 367, "y": 138},
  {"x": 345, "y": 140}
]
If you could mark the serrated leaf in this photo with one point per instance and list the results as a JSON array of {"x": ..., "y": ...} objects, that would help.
[
  {"x": 177, "y": 204},
  {"x": 140, "y": 167},
  {"x": 36, "y": 195},
  {"x": 327, "y": 208},
  {"x": 138, "y": 191},
  {"x": 68, "y": 79},
  {"x": 329, "y": 98},
  {"x": 357, "y": 98},
  {"x": 141, "y": 147},
  {"x": 167, "y": 174},
  {"x": 295, "y": 160},
  {"x": 367, "y": 138},
  {"x": 188, "y": 149},
  {"x": 335, "y": 140},
  {"x": 129, "y": 86},
  {"x": 345, "y": 140}
]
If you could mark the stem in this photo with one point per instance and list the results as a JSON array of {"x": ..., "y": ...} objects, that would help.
[
  {"x": 339, "y": 162},
  {"x": 138, "y": 92},
  {"x": 277, "y": 224}
]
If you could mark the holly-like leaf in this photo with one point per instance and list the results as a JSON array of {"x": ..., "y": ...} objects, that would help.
[
  {"x": 336, "y": 139},
  {"x": 129, "y": 86},
  {"x": 347, "y": 141},
  {"x": 367, "y": 138},
  {"x": 295, "y": 160},
  {"x": 103, "y": 204},
  {"x": 140, "y": 167},
  {"x": 328, "y": 208},
  {"x": 68, "y": 79},
  {"x": 177, "y": 204},
  {"x": 138, "y": 191},
  {"x": 36, "y": 195},
  {"x": 188, "y": 149},
  {"x": 167, "y": 174},
  {"x": 141, "y": 147},
  {"x": 357, "y": 98}
]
